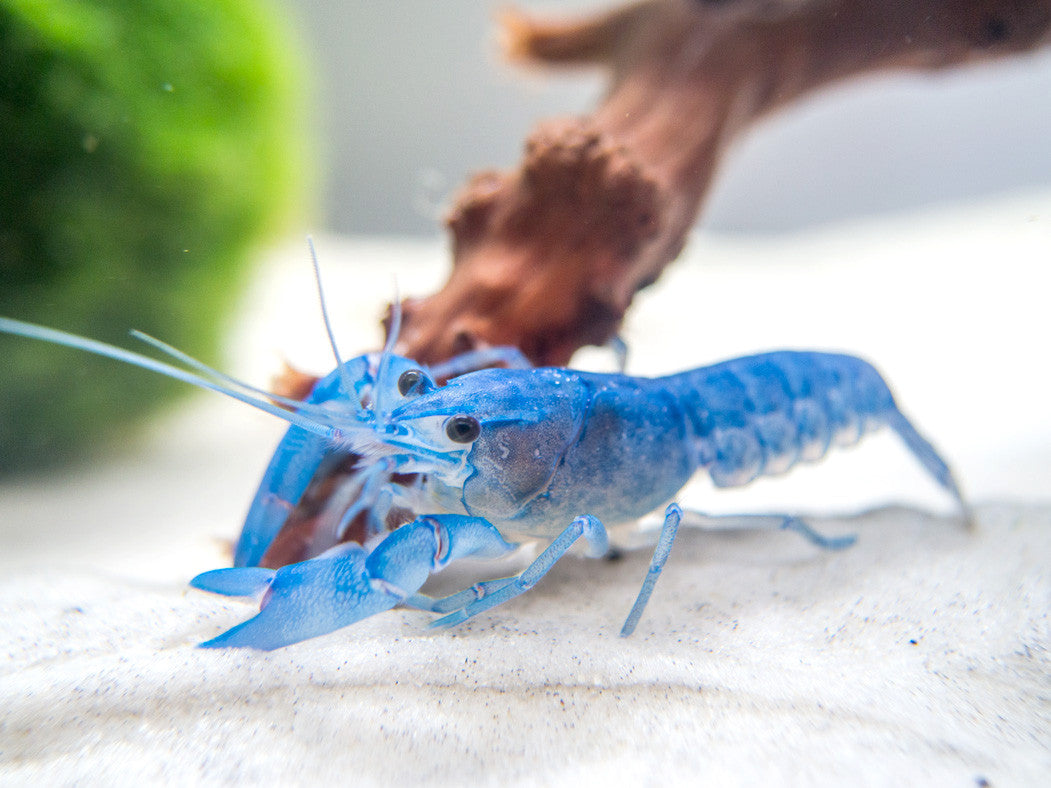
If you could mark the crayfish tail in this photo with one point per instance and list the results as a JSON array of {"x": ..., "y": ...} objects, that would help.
[{"x": 928, "y": 456}]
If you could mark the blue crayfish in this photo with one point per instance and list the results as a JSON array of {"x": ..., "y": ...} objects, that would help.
[{"x": 497, "y": 455}]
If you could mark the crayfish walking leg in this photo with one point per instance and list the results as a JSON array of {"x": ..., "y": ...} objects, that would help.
[{"x": 591, "y": 528}]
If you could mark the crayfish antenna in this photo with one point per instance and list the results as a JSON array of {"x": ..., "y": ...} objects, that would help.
[
  {"x": 222, "y": 377},
  {"x": 54, "y": 336},
  {"x": 344, "y": 375},
  {"x": 383, "y": 371}
]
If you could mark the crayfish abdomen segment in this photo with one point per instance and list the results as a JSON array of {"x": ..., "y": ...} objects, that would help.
[{"x": 760, "y": 415}]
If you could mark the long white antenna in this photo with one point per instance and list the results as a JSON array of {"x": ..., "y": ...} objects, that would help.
[
  {"x": 56, "y": 337},
  {"x": 190, "y": 361},
  {"x": 343, "y": 374}
]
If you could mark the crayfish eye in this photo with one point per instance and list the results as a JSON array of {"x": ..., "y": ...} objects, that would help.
[
  {"x": 462, "y": 429},
  {"x": 408, "y": 380}
]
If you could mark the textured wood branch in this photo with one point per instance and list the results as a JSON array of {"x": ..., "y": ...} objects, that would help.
[{"x": 549, "y": 256}]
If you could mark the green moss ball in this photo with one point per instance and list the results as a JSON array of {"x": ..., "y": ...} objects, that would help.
[{"x": 148, "y": 148}]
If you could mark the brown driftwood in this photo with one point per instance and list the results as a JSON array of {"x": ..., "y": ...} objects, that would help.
[{"x": 549, "y": 256}]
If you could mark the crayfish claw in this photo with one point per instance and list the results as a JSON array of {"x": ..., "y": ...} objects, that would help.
[
  {"x": 236, "y": 581},
  {"x": 304, "y": 600}
]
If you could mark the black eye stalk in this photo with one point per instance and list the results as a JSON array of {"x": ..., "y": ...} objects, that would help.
[
  {"x": 463, "y": 429},
  {"x": 412, "y": 381}
]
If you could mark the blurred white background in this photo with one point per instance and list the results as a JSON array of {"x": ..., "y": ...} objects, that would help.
[{"x": 412, "y": 97}]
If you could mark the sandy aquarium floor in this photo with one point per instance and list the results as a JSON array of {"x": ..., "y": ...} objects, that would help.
[{"x": 918, "y": 656}]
